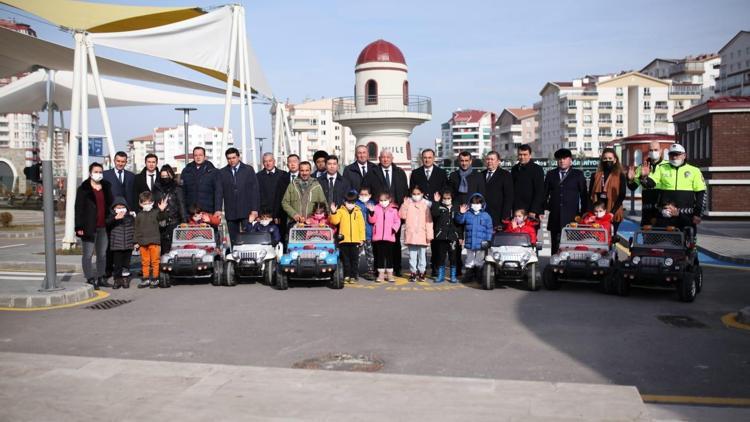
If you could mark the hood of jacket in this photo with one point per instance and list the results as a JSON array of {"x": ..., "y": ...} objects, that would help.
[
  {"x": 119, "y": 200},
  {"x": 480, "y": 196}
]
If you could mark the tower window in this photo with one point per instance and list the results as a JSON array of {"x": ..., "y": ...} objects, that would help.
[
  {"x": 371, "y": 91},
  {"x": 372, "y": 150},
  {"x": 406, "y": 93}
]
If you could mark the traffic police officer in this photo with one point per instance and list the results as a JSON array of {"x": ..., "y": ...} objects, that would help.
[
  {"x": 679, "y": 182},
  {"x": 649, "y": 197}
]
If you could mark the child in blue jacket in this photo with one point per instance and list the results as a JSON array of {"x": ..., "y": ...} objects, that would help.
[
  {"x": 365, "y": 199},
  {"x": 264, "y": 223},
  {"x": 478, "y": 228}
]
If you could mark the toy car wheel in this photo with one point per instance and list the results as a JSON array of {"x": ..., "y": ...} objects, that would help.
[
  {"x": 687, "y": 287},
  {"x": 164, "y": 280},
  {"x": 532, "y": 279},
  {"x": 549, "y": 279},
  {"x": 337, "y": 281},
  {"x": 698, "y": 278},
  {"x": 609, "y": 282},
  {"x": 269, "y": 272},
  {"x": 230, "y": 273},
  {"x": 218, "y": 278},
  {"x": 622, "y": 286},
  {"x": 488, "y": 276},
  {"x": 282, "y": 281}
]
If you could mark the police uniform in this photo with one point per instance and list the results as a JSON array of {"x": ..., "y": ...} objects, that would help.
[{"x": 683, "y": 185}]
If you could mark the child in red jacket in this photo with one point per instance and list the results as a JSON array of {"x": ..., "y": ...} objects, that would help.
[
  {"x": 521, "y": 224},
  {"x": 198, "y": 217},
  {"x": 601, "y": 217}
]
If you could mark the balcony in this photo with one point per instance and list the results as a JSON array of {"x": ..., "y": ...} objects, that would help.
[
  {"x": 605, "y": 106},
  {"x": 688, "y": 67},
  {"x": 572, "y": 122},
  {"x": 685, "y": 90},
  {"x": 605, "y": 122},
  {"x": 383, "y": 105}
]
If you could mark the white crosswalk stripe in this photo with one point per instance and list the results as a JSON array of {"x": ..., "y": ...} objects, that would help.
[{"x": 30, "y": 276}]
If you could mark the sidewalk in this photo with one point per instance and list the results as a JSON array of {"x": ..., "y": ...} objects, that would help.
[{"x": 53, "y": 387}]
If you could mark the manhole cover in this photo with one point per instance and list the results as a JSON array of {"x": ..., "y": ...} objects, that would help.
[
  {"x": 108, "y": 304},
  {"x": 681, "y": 321},
  {"x": 342, "y": 362}
]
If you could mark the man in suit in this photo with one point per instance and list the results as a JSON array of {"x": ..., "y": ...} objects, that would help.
[
  {"x": 238, "y": 191},
  {"x": 199, "y": 182},
  {"x": 334, "y": 186},
  {"x": 566, "y": 195},
  {"x": 272, "y": 184},
  {"x": 386, "y": 177},
  {"x": 355, "y": 172},
  {"x": 148, "y": 179},
  {"x": 459, "y": 179},
  {"x": 430, "y": 178},
  {"x": 292, "y": 165},
  {"x": 121, "y": 185},
  {"x": 496, "y": 185}
]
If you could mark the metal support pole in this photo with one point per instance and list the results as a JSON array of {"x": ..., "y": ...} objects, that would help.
[
  {"x": 100, "y": 98},
  {"x": 50, "y": 259},
  {"x": 186, "y": 121},
  {"x": 69, "y": 240},
  {"x": 84, "y": 113},
  {"x": 260, "y": 143},
  {"x": 230, "y": 84}
]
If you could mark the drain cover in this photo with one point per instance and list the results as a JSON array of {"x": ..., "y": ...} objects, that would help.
[
  {"x": 108, "y": 304},
  {"x": 681, "y": 321},
  {"x": 342, "y": 362}
]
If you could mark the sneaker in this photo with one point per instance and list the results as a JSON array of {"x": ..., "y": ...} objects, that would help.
[
  {"x": 347, "y": 280},
  {"x": 412, "y": 277},
  {"x": 381, "y": 276},
  {"x": 154, "y": 283},
  {"x": 422, "y": 276},
  {"x": 144, "y": 283},
  {"x": 389, "y": 275},
  {"x": 369, "y": 276}
]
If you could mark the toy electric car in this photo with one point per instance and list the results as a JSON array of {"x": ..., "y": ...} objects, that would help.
[
  {"x": 311, "y": 255},
  {"x": 510, "y": 257},
  {"x": 663, "y": 257},
  {"x": 253, "y": 256},
  {"x": 197, "y": 253},
  {"x": 584, "y": 255}
]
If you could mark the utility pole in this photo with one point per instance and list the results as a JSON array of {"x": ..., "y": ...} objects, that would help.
[
  {"x": 186, "y": 112},
  {"x": 260, "y": 149}
]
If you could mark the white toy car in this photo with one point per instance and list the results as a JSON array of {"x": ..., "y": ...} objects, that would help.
[
  {"x": 510, "y": 257},
  {"x": 253, "y": 256},
  {"x": 195, "y": 254},
  {"x": 585, "y": 254}
]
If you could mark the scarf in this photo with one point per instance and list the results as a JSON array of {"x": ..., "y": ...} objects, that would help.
[{"x": 463, "y": 186}]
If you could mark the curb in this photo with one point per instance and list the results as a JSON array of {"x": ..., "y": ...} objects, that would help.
[
  {"x": 39, "y": 267},
  {"x": 73, "y": 294}
]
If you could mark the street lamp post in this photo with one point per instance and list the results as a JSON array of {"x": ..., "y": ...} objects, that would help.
[
  {"x": 260, "y": 146},
  {"x": 186, "y": 112}
]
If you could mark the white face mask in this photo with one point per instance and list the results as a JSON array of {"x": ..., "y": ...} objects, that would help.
[
  {"x": 148, "y": 207},
  {"x": 385, "y": 204},
  {"x": 476, "y": 207},
  {"x": 265, "y": 222},
  {"x": 416, "y": 198},
  {"x": 364, "y": 198},
  {"x": 120, "y": 210},
  {"x": 97, "y": 177},
  {"x": 349, "y": 206},
  {"x": 447, "y": 203},
  {"x": 654, "y": 155},
  {"x": 197, "y": 217},
  {"x": 676, "y": 162},
  {"x": 666, "y": 213},
  {"x": 599, "y": 214}
]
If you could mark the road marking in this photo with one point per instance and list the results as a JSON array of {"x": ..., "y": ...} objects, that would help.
[
  {"x": 100, "y": 294},
  {"x": 33, "y": 273},
  {"x": 12, "y": 246},
  {"x": 730, "y": 320},
  {"x": 21, "y": 278},
  {"x": 700, "y": 400}
]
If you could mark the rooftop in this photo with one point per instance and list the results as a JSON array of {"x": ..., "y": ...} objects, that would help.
[{"x": 381, "y": 51}]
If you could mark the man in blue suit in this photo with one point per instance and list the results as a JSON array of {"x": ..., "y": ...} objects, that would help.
[
  {"x": 238, "y": 191},
  {"x": 199, "y": 182},
  {"x": 121, "y": 185}
]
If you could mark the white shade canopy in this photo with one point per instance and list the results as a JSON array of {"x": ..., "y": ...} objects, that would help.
[{"x": 29, "y": 94}]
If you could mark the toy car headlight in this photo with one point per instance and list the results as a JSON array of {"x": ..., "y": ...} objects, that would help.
[
  {"x": 294, "y": 254},
  {"x": 526, "y": 257},
  {"x": 323, "y": 255},
  {"x": 261, "y": 254},
  {"x": 554, "y": 260},
  {"x": 497, "y": 256},
  {"x": 668, "y": 262},
  {"x": 565, "y": 255},
  {"x": 200, "y": 253},
  {"x": 636, "y": 260},
  {"x": 236, "y": 255},
  {"x": 172, "y": 254},
  {"x": 595, "y": 256}
]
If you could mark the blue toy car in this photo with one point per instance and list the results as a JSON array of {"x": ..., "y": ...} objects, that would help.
[{"x": 311, "y": 255}]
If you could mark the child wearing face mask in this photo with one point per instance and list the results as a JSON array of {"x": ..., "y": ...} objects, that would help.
[
  {"x": 478, "y": 228},
  {"x": 385, "y": 223},
  {"x": 415, "y": 211},
  {"x": 198, "y": 217},
  {"x": 319, "y": 217},
  {"x": 148, "y": 239},
  {"x": 364, "y": 200},
  {"x": 520, "y": 223},
  {"x": 121, "y": 226},
  {"x": 600, "y": 217},
  {"x": 264, "y": 224},
  {"x": 351, "y": 225},
  {"x": 669, "y": 215},
  {"x": 447, "y": 234}
]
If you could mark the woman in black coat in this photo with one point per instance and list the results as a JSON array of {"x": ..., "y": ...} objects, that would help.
[
  {"x": 93, "y": 202},
  {"x": 170, "y": 191}
]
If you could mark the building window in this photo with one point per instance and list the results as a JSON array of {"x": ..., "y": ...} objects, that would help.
[
  {"x": 405, "y": 90},
  {"x": 646, "y": 91},
  {"x": 619, "y": 92},
  {"x": 647, "y": 105},
  {"x": 619, "y": 133},
  {"x": 371, "y": 92},
  {"x": 372, "y": 150}
]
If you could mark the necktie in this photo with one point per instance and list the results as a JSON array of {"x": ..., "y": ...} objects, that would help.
[
  {"x": 489, "y": 174},
  {"x": 234, "y": 174},
  {"x": 563, "y": 173},
  {"x": 119, "y": 175},
  {"x": 294, "y": 176},
  {"x": 387, "y": 180},
  {"x": 330, "y": 189},
  {"x": 151, "y": 185},
  {"x": 364, "y": 171},
  {"x": 427, "y": 173}
]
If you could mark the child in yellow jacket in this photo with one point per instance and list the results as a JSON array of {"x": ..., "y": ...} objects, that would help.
[{"x": 351, "y": 224}]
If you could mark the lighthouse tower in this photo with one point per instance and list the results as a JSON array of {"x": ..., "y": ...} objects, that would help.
[{"x": 382, "y": 113}]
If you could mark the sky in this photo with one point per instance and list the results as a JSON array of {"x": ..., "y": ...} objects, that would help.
[{"x": 485, "y": 55}]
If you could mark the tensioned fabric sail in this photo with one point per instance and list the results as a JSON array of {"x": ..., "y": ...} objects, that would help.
[
  {"x": 102, "y": 17},
  {"x": 202, "y": 43},
  {"x": 29, "y": 94},
  {"x": 22, "y": 53}
]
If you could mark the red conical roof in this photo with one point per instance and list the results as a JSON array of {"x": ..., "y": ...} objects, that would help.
[{"x": 381, "y": 51}]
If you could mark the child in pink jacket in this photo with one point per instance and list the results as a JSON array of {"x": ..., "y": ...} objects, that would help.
[
  {"x": 385, "y": 223},
  {"x": 415, "y": 211}
]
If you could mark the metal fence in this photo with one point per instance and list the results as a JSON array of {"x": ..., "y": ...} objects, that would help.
[
  {"x": 584, "y": 235},
  {"x": 661, "y": 239},
  {"x": 311, "y": 235},
  {"x": 194, "y": 234},
  {"x": 381, "y": 104}
]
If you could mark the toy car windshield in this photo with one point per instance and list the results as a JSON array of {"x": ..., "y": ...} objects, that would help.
[
  {"x": 193, "y": 235},
  {"x": 511, "y": 239},
  {"x": 258, "y": 238},
  {"x": 584, "y": 235},
  {"x": 311, "y": 235},
  {"x": 659, "y": 239}
]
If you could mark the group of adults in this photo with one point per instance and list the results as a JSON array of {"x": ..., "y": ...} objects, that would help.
[{"x": 240, "y": 192}]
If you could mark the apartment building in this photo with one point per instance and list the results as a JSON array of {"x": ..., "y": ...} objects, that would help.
[
  {"x": 468, "y": 130},
  {"x": 515, "y": 126},
  {"x": 734, "y": 74},
  {"x": 700, "y": 70}
]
